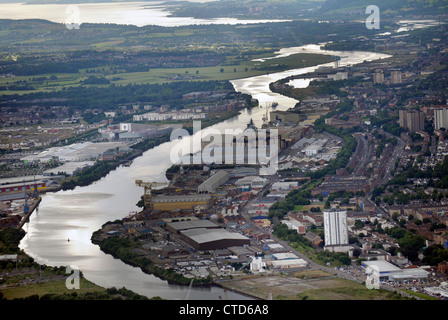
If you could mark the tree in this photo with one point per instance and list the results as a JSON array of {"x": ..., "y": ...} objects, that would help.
[
  {"x": 410, "y": 244},
  {"x": 356, "y": 253},
  {"x": 358, "y": 224},
  {"x": 435, "y": 254},
  {"x": 402, "y": 223},
  {"x": 395, "y": 216}
]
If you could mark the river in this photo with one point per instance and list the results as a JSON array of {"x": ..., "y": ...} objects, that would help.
[
  {"x": 77, "y": 213},
  {"x": 128, "y": 13}
]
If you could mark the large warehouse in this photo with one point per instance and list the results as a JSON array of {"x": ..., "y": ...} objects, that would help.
[
  {"x": 82, "y": 151},
  {"x": 212, "y": 183},
  {"x": 205, "y": 235},
  {"x": 384, "y": 271},
  {"x": 163, "y": 202},
  {"x": 212, "y": 239},
  {"x": 179, "y": 226}
]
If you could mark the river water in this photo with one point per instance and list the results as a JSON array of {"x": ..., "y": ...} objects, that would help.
[
  {"x": 128, "y": 13},
  {"x": 77, "y": 213}
]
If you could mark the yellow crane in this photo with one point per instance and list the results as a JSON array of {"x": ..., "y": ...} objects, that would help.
[{"x": 148, "y": 186}]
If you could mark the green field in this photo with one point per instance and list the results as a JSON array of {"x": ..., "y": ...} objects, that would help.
[
  {"x": 51, "y": 287},
  {"x": 234, "y": 69}
]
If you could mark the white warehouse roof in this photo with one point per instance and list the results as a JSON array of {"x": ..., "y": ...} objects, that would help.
[{"x": 380, "y": 266}]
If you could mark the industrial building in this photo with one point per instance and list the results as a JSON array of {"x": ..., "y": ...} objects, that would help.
[
  {"x": 163, "y": 202},
  {"x": 69, "y": 168},
  {"x": 214, "y": 182},
  {"x": 315, "y": 147},
  {"x": 286, "y": 116},
  {"x": 22, "y": 187},
  {"x": 77, "y": 152},
  {"x": 381, "y": 270},
  {"x": 284, "y": 185},
  {"x": 285, "y": 260},
  {"x": 252, "y": 182},
  {"x": 206, "y": 235},
  {"x": 179, "y": 226},
  {"x": 334, "y": 183},
  {"x": 211, "y": 239},
  {"x": 132, "y": 131}
]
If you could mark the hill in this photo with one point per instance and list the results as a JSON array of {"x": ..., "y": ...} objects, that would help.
[{"x": 388, "y": 9}]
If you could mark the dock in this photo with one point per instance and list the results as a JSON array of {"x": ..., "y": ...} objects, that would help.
[{"x": 27, "y": 216}]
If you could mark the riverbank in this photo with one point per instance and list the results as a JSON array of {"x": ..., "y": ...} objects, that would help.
[
  {"x": 101, "y": 168},
  {"x": 21, "y": 278},
  {"x": 127, "y": 250}
]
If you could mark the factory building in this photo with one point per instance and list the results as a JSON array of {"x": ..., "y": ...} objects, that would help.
[
  {"x": 252, "y": 182},
  {"x": 163, "y": 202},
  {"x": 179, "y": 226},
  {"x": 284, "y": 185},
  {"x": 22, "y": 187},
  {"x": 285, "y": 260},
  {"x": 315, "y": 147},
  {"x": 77, "y": 152},
  {"x": 132, "y": 131},
  {"x": 206, "y": 235},
  {"x": 212, "y": 239},
  {"x": 214, "y": 182}
]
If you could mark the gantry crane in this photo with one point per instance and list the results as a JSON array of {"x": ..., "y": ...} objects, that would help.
[{"x": 147, "y": 185}]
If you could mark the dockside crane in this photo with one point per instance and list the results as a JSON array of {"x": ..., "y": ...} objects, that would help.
[
  {"x": 336, "y": 61},
  {"x": 148, "y": 186}
]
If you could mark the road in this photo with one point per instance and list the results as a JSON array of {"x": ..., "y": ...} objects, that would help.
[{"x": 311, "y": 264}]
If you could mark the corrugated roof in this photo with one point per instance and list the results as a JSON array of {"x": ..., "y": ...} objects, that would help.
[
  {"x": 185, "y": 225},
  {"x": 216, "y": 178},
  {"x": 182, "y": 198},
  {"x": 203, "y": 235}
]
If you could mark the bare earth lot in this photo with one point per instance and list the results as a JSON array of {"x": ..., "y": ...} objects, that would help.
[{"x": 309, "y": 284}]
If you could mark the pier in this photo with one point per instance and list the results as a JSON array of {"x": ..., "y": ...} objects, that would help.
[{"x": 34, "y": 206}]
